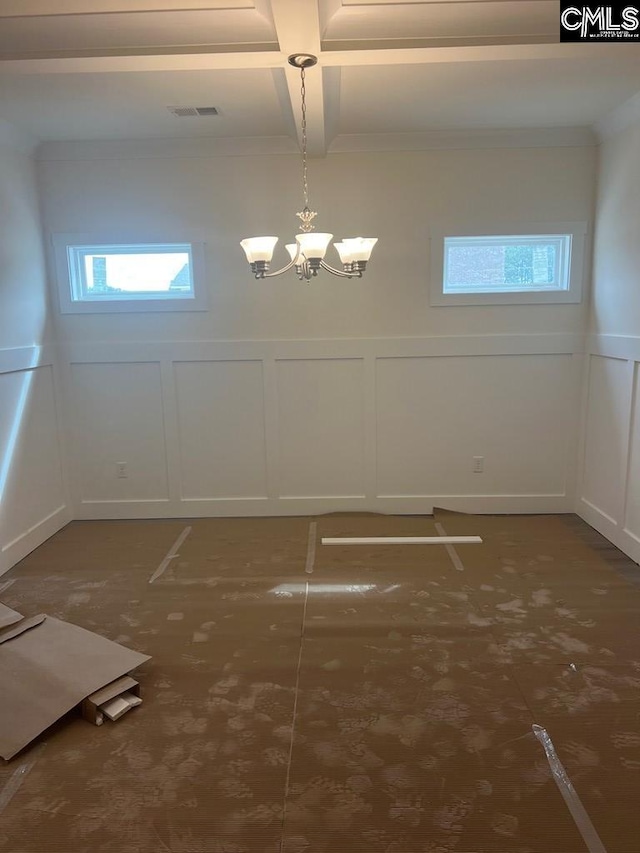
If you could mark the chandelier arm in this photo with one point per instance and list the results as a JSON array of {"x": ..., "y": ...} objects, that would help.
[
  {"x": 280, "y": 271},
  {"x": 340, "y": 273}
]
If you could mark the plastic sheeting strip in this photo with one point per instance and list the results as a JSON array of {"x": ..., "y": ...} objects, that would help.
[
  {"x": 311, "y": 547},
  {"x": 451, "y": 551},
  {"x": 171, "y": 555},
  {"x": 295, "y": 707},
  {"x": 5, "y": 586},
  {"x": 18, "y": 776},
  {"x": 578, "y": 813}
]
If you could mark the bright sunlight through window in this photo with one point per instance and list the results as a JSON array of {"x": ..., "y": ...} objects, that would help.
[
  {"x": 125, "y": 277},
  {"x": 130, "y": 272}
]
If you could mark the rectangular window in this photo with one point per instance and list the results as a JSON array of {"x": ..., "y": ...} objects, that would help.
[
  {"x": 130, "y": 272},
  {"x": 506, "y": 264},
  {"x": 508, "y": 268},
  {"x": 98, "y": 276}
]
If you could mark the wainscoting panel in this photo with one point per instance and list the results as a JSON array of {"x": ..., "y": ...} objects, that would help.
[
  {"x": 434, "y": 415},
  {"x": 606, "y": 435},
  {"x": 609, "y": 478},
  {"x": 33, "y": 502},
  {"x": 632, "y": 514},
  {"x": 296, "y": 427},
  {"x": 117, "y": 421},
  {"x": 321, "y": 428},
  {"x": 221, "y": 429}
]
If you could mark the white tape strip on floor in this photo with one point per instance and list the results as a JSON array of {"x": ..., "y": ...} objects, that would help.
[
  {"x": 18, "y": 776},
  {"x": 311, "y": 547},
  {"x": 451, "y": 551},
  {"x": 402, "y": 540},
  {"x": 171, "y": 555},
  {"x": 578, "y": 813}
]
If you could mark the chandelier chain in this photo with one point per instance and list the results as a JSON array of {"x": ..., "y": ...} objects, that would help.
[{"x": 303, "y": 94}]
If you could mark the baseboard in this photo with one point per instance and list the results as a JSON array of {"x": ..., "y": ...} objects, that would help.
[
  {"x": 315, "y": 505},
  {"x": 476, "y": 504},
  {"x": 28, "y": 541},
  {"x": 604, "y": 524}
]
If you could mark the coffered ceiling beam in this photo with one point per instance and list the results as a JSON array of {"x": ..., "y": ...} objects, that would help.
[
  {"x": 411, "y": 55},
  {"x": 233, "y": 59},
  {"x": 297, "y": 24},
  {"x": 268, "y": 56}
]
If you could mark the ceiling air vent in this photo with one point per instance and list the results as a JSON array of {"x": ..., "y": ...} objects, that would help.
[{"x": 187, "y": 112}]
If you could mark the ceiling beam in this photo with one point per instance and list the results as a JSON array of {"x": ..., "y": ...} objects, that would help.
[
  {"x": 232, "y": 57},
  {"x": 297, "y": 24},
  {"x": 42, "y": 8},
  {"x": 186, "y": 61},
  {"x": 403, "y": 55}
]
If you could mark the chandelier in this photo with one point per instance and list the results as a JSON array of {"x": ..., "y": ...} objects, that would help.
[{"x": 307, "y": 253}]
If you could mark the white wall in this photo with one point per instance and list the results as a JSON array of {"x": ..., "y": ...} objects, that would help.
[
  {"x": 395, "y": 196},
  {"x": 609, "y": 494},
  {"x": 286, "y": 397},
  {"x": 32, "y": 494}
]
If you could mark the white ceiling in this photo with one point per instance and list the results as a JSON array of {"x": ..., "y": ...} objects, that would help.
[{"x": 109, "y": 69}]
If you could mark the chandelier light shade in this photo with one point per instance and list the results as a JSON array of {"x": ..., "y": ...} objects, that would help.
[{"x": 308, "y": 252}]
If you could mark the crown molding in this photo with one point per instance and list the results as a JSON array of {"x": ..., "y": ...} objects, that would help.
[
  {"x": 204, "y": 147},
  {"x": 134, "y": 149},
  {"x": 553, "y": 137}
]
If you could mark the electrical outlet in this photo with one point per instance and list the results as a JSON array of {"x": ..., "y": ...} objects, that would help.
[
  {"x": 478, "y": 464},
  {"x": 121, "y": 470}
]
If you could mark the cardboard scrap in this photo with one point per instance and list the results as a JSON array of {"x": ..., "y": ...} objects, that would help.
[
  {"x": 120, "y": 705},
  {"x": 126, "y": 684},
  {"x": 8, "y": 616},
  {"x": 47, "y": 667},
  {"x": 93, "y": 706},
  {"x": 19, "y": 628}
]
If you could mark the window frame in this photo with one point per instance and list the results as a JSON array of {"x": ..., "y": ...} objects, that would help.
[
  {"x": 576, "y": 231},
  {"x": 68, "y": 290}
]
